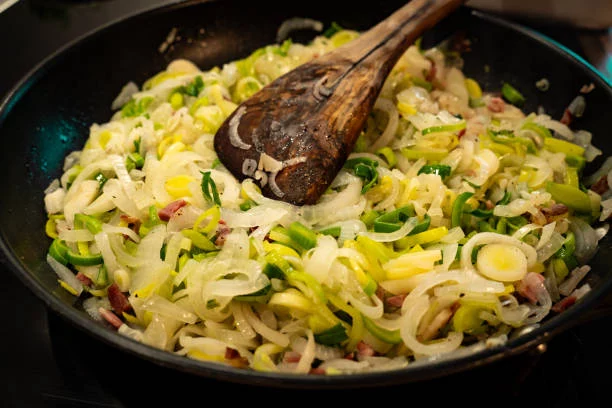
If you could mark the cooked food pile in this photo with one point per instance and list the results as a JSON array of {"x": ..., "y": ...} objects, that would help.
[{"x": 457, "y": 221}]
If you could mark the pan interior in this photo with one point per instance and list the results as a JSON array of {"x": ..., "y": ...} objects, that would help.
[{"x": 49, "y": 113}]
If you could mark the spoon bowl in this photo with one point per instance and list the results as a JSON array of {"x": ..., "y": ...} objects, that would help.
[{"x": 295, "y": 134}]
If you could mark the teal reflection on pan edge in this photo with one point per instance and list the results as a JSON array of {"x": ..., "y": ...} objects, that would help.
[
  {"x": 55, "y": 138},
  {"x": 604, "y": 71}
]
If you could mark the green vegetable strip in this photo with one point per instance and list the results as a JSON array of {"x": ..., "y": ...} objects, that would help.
[
  {"x": 58, "y": 250},
  {"x": 512, "y": 95},
  {"x": 84, "y": 260},
  {"x": 388, "y": 336},
  {"x": 441, "y": 170},
  {"x": 333, "y": 336},
  {"x": 93, "y": 224},
  {"x": 209, "y": 188},
  {"x": 457, "y": 210},
  {"x": 455, "y": 127},
  {"x": 571, "y": 196},
  {"x": 303, "y": 235},
  {"x": 305, "y": 282},
  {"x": 422, "y": 226}
]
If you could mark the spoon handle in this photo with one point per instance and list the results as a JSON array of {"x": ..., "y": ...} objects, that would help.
[{"x": 308, "y": 120}]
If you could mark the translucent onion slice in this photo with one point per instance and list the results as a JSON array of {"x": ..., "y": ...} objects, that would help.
[
  {"x": 392, "y": 236},
  {"x": 65, "y": 274},
  {"x": 415, "y": 311},
  {"x": 161, "y": 305}
]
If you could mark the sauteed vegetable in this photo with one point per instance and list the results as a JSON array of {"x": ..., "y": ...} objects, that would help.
[{"x": 458, "y": 220}]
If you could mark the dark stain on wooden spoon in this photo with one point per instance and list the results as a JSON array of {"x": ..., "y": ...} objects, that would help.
[{"x": 295, "y": 134}]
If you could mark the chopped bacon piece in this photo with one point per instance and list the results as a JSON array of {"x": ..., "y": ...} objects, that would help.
[
  {"x": 350, "y": 356},
  {"x": 554, "y": 212},
  {"x": 461, "y": 133},
  {"x": 168, "y": 211},
  {"x": 587, "y": 88},
  {"x": 601, "y": 185},
  {"x": 318, "y": 371},
  {"x": 496, "y": 104},
  {"x": 234, "y": 358},
  {"x": 118, "y": 300},
  {"x": 222, "y": 232},
  {"x": 292, "y": 357},
  {"x": 110, "y": 317},
  {"x": 364, "y": 349},
  {"x": 133, "y": 223},
  {"x": 531, "y": 286},
  {"x": 231, "y": 353},
  {"x": 129, "y": 219},
  {"x": 396, "y": 300},
  {"x": 563, "y": 304},
  {"x": 84, "y": 279},
  {"x": 437, "y": 323},
  {"x": 431, "y": 74},
  {"x": 567, "y": 117}
]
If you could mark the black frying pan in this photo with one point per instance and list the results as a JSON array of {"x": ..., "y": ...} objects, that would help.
[{"x": 48, "y": 114}]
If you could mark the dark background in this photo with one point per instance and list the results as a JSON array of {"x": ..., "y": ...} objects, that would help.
[{"x": 48, "y": 363}]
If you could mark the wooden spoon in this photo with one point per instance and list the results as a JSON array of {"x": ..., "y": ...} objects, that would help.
[{"x": 295, "y": 134}]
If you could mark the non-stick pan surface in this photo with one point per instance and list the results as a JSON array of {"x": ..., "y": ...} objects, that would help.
[{"x": 48, "y": 114}]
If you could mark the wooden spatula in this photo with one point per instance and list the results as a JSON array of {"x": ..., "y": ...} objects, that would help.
[{"x": 295, "y": 134}]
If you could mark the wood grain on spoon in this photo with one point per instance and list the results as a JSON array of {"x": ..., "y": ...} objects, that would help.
[{"x": 295, "y": 134}]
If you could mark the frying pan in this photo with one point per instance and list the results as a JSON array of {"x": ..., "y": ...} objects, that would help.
[{"x": 48, "y": 114}]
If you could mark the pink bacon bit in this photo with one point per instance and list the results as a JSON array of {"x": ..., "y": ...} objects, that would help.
[
  {"x": 567, "y": 117},
  {"x": 222, "y": 232},
  {"x": 564, "y": 304},
  {"x": 234, "y": 358},
  {"x": 118, "y": 300},
  {"x": 110, "y": 317},
  {"x": 531, "y": 286},
  {"x": 364, "y": 349},
  {"x": 292, "y": 357},
  {"x": 84, "y": 279},
  {"x": 168, "y": 211},
  {"x": 132, "y": 222},
  {"x": 496, "y": 104},
  {"x": 396, "y": 300}
]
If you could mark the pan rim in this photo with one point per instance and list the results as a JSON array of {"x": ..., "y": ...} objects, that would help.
[{"x": 410, "y": 373}]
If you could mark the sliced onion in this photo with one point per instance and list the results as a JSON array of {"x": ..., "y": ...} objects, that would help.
[
  {"x": 234, "y": 137},
  {"x": 387, "y": 135},
  {"x": 586, "y": 239},
  {"x": 392, "y": 236},
  {"x": 65, "y": 274},
  {"x": 410, "y": 322},
  {"x": 161, "y": 305}
]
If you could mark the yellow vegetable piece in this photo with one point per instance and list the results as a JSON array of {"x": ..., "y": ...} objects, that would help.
[
  {"x": 262, "y": 360},
  {"x": 69, "y": 288},
  {"x": 425, "y": 237},
  {"x": 104, "y": 138},
  {"x": 343, "y": 36},
  {"x": 176, "y": 100},
  {"x": 283, "y": 250},
  {"x": 200, "y": 355},
  {"x": 502, "y": 262},
  {"x": 214, "y": 214},
  {"x": 406, "y": 109},
  {"x": 293, "y": 300},
  {"x": 412, "y": 263},
  {"x": 50, "y": 228},
  {"x": 131, "y": 318},
  {"x": 562, "y": 146},
  {"x": 178, "y": 186},
  {"x": 473, "y": 88}
]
